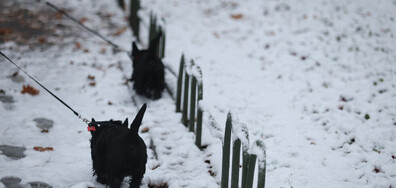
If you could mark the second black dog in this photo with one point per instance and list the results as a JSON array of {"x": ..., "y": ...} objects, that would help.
[
  {"x": 148, "y": 70},
  {"x": 118, "y": 151}
]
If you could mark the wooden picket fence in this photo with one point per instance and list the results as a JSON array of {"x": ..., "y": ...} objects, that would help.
[
  {"x": 188, "y": 96},
  {"x": 192, "y": 93}
]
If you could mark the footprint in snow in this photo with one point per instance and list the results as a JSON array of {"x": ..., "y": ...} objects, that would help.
[
  {"x": 44, "y": 124},
  {"x": 15, "y": 182},
  {"x": 13, "y": 152}
]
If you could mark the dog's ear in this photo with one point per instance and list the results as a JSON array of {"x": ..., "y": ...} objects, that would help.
[
  {"x": 92, "y": 120},
  {"x": 138, "y": 120},
  {"x": 154, "y": 43},
  {"x": 135, "y": 49},
  {"x": 125, "y": 124}
]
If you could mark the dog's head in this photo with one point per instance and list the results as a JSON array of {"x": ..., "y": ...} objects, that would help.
[
  {"x": 133, "y": 129},
  {"x": 149, "y": 54}
]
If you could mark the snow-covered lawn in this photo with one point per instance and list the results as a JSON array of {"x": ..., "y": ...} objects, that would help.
[{"x": 315, "y": 80}]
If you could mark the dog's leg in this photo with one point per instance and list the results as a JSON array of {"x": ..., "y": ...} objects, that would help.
[
  {"x": 135, "y": 182},
  {"x": 157, "y": 94},
  {"x": 137, "y": 177},
  {"x": 99, "y": 167}
]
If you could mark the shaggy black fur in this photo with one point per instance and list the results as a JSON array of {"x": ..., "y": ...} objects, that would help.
[
  {"x": 118, "y": 152},
  {"x": 148, "y": 70}
]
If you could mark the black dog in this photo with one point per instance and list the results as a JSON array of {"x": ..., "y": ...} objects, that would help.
[
  {"x": 118, "y": 152},
  {"x": 148, "y": 70}
]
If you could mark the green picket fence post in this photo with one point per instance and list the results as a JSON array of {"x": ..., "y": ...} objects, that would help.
[
  {"x": 262, "y": 163},
  {"x": 152, "y": 27},
  {"x": 179, "y": 84},
  {"x": 226, "y": 153},
  {"x": 185, "y": 99},
  {"x": 261, "y": 176},
  {"x": 121, "y": 3},
  {"x": 250, "y": 171},
  {"x": 245, "y": 163},
  {"x": 192, "y": 103},
  {"x": 159, "y": 48},
  {"x": 163, "y": 40},
  {"x": 236, "y": 153},
  {"x": 198, "y": 133},
  {"x": 134, "y": 20}
]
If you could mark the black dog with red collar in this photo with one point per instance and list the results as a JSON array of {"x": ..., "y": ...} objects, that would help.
[{"x": 118, "y": 151}]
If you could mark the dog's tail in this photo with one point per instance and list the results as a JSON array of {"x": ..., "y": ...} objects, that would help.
[{"x": 138, "y": 120}]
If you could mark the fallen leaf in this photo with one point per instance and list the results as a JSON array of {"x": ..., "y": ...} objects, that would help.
[
  {"x": 78, "y": 45},
  {"x": 90, "y": 77},
  {"x": 103, "y": 50},
  {"x": 5, "y": 31},
  {"x": 82, "y": 20},
  {"x": 86, "y": 50},
  {"x": 109, "y": 103},
  {"x": 270, "y": 33},
  {"x": 41, "y": 149},
  {"x": 213, "y": 174},
  {"x": 155, "y": 167},
  {"x": 44, "y": 131},
  {"x": 93, "y": 84},
  {"x": 30, "y": 90},
  {"x": 58, "y": 16},
  {"x": 216, "y": 35},
  {"x": 377, "y": 169},
  {"x": 42, "y": 40},
  {"x": 120, "y": 31},
  {"x": 236, "y": 16},
  {"x": 145, "y": 130}
]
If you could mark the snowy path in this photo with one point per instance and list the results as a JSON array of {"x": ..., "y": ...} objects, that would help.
[
  {"x": 180, "y": 163},
  {"x": 91, "y": 79}
]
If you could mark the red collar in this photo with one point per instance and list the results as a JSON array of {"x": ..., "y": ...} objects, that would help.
[{"x": 91, "y": 128}]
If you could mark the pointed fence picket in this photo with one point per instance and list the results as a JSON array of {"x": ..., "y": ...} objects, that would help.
[
  {"x": 134, "y": 20},
  {"x": 191, "y": 93},
  {"x": 121, "y": 3},
  {"x": 154, "y": 29}
]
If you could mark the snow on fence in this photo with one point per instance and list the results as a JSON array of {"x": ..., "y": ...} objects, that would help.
[
  {"x": 191, "y": 94},
  {"x": 154, "y": 29},
  {"x": 188, "y": 83}
]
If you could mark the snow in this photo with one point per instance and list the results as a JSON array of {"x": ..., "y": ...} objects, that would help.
[
  {"x": 312, "y": 80},
  {"x": 258, "y": 148}
]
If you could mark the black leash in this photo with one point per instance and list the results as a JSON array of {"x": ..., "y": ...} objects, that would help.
[
  {"x": 75, "y": 113},
  {"x": 87, "y": 28}
]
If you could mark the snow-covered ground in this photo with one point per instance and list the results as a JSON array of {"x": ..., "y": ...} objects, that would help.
[{"x": 316, "y": 81}]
